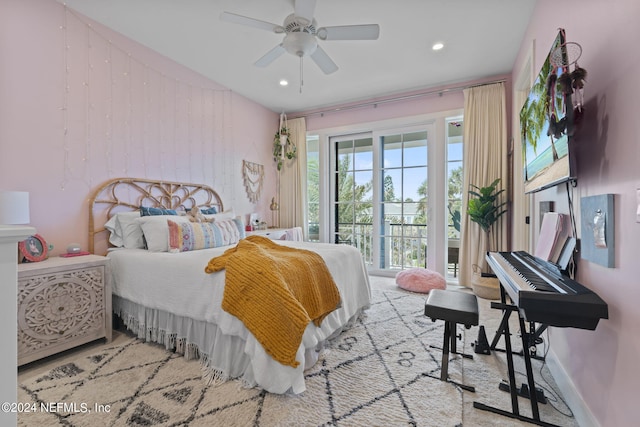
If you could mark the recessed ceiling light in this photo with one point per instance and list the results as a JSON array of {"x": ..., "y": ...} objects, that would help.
[
  {"x": 283, "y": 82},
  {"x": 437, "y": 46}
]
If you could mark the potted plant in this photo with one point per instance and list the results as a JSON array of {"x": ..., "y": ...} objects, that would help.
[
  {"x": 283, "y": 147},
  {"x": 484, "y": 208}
]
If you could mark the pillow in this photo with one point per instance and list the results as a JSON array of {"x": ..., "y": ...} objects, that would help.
[
  {"x": 230, "y": 214},
  {"x": 145, "y": 211},
  {"x": 131, "y": 231},
  {"x": 191, "y": 236},
  {"x": 206, "y": 210},
  {"x": 156, "y": 231},
  {"x": 420, "y": 279},
  {"x": 125, "y": 231},
  {"x": 231, "y": 230},
  {"x": 115, "y": 236},
  {"x": 209, "y": 211}
]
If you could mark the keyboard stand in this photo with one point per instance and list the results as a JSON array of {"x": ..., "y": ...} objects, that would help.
[
  {"x": 513, "y": 391},
  {"x": 532, "y": 337}
]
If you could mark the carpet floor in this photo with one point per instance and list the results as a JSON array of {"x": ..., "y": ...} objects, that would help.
[{"x": 382, "y": 372}]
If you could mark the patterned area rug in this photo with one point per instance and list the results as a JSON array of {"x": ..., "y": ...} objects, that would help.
[{"x": 382, "y": 372}]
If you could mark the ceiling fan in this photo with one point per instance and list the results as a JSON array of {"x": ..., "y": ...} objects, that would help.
[{"x": 301, "y": 35}]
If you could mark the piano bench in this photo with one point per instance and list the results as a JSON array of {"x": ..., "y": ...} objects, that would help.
[{"x": 453, "y": 307}]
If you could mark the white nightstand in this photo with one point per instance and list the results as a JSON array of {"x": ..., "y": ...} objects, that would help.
[
  {"x": 272, "y": 233},
  {"x": 278, "y": 233},
  {"x": 62, "y": 303}
]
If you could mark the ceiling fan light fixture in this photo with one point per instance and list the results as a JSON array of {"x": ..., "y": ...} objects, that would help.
[
  {"x": 302, "y": 35},
  {"x": 300, "y": 44},
  {"x": 322, "y": 33}
]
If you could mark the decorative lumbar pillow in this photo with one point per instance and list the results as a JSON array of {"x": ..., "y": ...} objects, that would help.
[
  {"x": 146, "y": 211},
  {"x": 420, "y": 280},
  {"x": 191, "y": 236}
]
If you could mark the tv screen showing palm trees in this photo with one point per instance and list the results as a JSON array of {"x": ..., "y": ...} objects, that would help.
[{"x": 546, "y": 123}]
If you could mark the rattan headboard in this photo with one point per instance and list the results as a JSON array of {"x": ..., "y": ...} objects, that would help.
[{"x": 128, "y": 194}]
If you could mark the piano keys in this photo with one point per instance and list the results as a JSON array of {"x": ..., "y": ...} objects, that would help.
[{"x": 543, "y": 294}]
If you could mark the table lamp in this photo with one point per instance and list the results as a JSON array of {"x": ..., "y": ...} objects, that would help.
[{"x": 275, "y": 217}]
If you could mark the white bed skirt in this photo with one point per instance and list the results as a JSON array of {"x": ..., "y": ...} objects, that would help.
[
  {"x": 224, "y": 357},
  {"x": 169, "y": 299}
]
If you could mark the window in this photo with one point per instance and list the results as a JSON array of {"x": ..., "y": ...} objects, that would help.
[
  {"x": 404, "y": 200},
  {"x": 454, "y": 192},
  {"x": 393, "y": 192},
  {"x": 353, "y": 194},
  {"x": 313, "y": 189}
]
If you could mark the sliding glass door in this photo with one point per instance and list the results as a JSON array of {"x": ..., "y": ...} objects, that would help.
[
  {"x": 380, "y": 196},
  {"x": 395, "y": 194},
  {"x": 353, "y": 195},
  {"x": 402, "y": 219}
]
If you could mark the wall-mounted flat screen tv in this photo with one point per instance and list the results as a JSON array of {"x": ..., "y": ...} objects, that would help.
[{"x": 546, "y": 125}]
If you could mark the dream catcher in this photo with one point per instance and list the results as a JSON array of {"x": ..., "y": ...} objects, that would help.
[{"x": 569, "y": 82}]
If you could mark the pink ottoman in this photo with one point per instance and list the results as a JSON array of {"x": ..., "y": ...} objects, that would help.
[{"x": 420, "y": 280}]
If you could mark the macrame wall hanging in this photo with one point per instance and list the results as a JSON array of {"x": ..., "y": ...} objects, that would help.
[{"x": 252, "y": 174}]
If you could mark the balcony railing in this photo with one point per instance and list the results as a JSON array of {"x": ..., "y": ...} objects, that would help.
[{"x": 402, "y": 245}]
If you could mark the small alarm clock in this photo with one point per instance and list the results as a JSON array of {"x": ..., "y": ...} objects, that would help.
[{"x": 73, "y": 248}]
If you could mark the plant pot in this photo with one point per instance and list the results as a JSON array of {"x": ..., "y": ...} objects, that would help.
[{"x": 485, "y": 287}]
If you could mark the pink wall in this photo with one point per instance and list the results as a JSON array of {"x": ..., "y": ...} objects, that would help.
[
  {"x": 127, "y": 111},
  {"x": 161, "y": 120},
  {"x": 602, "y": 364},
  {"x": 434, "y": 100}
]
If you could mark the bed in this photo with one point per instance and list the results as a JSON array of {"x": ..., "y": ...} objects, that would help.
[{"x": 164, "y": 295}]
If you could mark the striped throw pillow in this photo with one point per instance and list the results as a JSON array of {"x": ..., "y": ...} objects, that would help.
[{"x": 191, "y": 236}]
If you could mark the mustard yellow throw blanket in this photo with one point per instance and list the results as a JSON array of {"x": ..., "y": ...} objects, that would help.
[{"x": 276, "y": 291}]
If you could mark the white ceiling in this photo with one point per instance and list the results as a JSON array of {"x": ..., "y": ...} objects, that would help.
[{"x": 481, "y": 37}]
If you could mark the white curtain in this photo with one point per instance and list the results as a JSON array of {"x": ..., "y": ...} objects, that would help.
[
  {"x": 485, "y": 158},
  {"x": 293, "y": 180}
]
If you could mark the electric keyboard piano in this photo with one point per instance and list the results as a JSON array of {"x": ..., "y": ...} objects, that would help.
[{"x": 543, "y": 294}]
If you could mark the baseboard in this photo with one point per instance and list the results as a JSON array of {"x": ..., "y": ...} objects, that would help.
[{"x": 578, "y": 406}]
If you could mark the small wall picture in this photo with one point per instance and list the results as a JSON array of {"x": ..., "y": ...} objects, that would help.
[
  {"x": 597, "y": 230},
  {"x": 32, "y": 249}
]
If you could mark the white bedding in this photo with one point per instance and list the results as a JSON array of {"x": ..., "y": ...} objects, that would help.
[{"x": 168, "y": 298}]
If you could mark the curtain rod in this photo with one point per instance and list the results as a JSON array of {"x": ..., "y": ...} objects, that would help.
[{"x": 397, "y": 98}]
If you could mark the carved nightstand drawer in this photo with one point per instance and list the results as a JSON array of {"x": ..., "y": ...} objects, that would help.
[{"x": 62, "y": 303}]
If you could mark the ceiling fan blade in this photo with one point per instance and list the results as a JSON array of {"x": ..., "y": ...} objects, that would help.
[
  {"x": 349, "y": 32},
  {"x": 323, "y": 61},
  {"x": 270, "y": 56},
  {"x": 250, "y": 22},
  {"x": 305, "y": 9}
]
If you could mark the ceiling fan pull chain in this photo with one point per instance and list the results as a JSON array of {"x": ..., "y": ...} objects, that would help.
[{"x": 301, "y": 75}]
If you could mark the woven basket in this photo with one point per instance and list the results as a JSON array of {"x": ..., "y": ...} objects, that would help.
[{"x": 485, "y": 287}]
